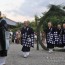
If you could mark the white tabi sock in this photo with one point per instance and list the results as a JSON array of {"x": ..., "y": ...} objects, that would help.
[
  {"x": 50, "y": 50},
  {"x": 2, "y": 60},
  {"x": 24, "y": 54},
  {"x": 27, "y": 53}
]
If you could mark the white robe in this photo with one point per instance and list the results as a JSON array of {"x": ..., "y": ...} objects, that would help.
[{"x": 2, "y": 60}]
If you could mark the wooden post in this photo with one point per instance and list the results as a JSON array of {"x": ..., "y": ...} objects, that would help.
[{"x": 36, "y": 20}]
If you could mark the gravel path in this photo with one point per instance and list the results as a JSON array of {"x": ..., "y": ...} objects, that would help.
[{"x": 40, "y": 57}]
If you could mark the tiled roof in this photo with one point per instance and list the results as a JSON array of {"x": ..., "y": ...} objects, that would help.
[{"x": 10, "y": 22}]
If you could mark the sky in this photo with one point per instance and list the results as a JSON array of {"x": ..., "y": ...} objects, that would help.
[{"x": 22, "y": 10}]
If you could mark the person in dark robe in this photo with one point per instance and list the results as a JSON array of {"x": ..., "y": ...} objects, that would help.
[
  {"x": 58, "y": 36},
  {"x": 63, "y": 34},
  {"x": 3, "y": 51},
  {"x": 49, "y": 37},
  {"x": 27, "y": 38}
]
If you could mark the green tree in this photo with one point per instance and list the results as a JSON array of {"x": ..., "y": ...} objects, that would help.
[
  {"x": 55, "y": 14},
  {"x": 18, "y": 27}
]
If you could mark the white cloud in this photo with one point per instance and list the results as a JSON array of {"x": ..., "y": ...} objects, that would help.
[
  {"x": 20, "y": 10},
  {"x": 8, "y": 5},
  {"x": 57, "y": 2},
  {"x": 20, "y": 18}
]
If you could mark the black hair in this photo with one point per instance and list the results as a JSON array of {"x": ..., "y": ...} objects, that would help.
[{"x": 4, "y": 24}]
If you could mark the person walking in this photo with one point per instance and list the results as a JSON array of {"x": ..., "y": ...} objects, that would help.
[
  {"x": 27, "y": 38},
  {"x": 49, "y": 37}
]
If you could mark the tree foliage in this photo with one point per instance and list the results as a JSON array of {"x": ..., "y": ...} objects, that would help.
[{"x": 55, "y": 14}]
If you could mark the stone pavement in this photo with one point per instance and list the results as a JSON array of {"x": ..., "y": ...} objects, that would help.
[{"x": 40, "y": 57}]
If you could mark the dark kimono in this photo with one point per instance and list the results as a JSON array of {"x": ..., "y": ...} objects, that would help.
[
  {"x": 27, "y": 39},
  {"x": 58, "y": 37},
  {"x": 63, "y": 36},
  {"x": 3, "y": 28},
  {"x": 50, "y": 37}
]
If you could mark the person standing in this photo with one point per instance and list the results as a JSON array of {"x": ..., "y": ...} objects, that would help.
[
  {"x": 11, "y": 35},
  {"x": 3, "y": 50},
  {"x": 27, "y": 39},
  {"x": 58, "y": 36},
  {"x": 49, "y": 37},
  {"x": 63, "y": 34},
  {"x": 18, "y": 37}
]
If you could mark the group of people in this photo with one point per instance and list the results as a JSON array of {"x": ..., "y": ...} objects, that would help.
[
  {"x": 55, "y": 36},
  {"x": 27, "y": 39},
  {"x": 15, "y": 37}
]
